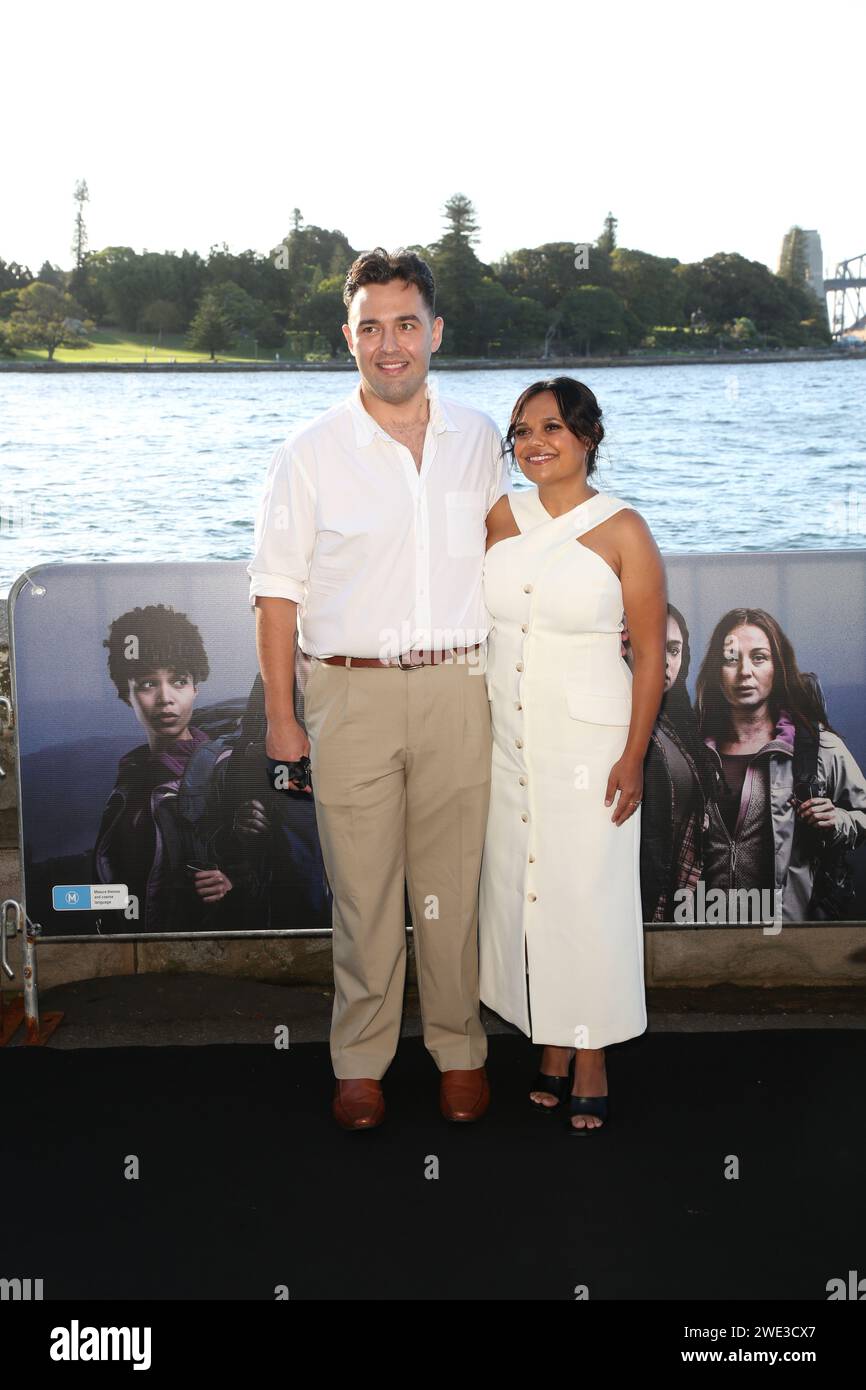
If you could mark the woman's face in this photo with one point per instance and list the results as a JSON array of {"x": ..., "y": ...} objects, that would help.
[
  {"x": 162, "y": 700},
  {"x": 544, "y": 447},
  {"x": 673, "y": 652},
  {"x": 746, "y": 676}
]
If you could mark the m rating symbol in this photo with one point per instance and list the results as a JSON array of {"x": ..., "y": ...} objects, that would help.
[{"x": 96, "y": 897}]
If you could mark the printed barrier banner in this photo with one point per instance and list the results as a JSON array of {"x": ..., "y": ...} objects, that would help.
[{"x": 146, "y": 806}]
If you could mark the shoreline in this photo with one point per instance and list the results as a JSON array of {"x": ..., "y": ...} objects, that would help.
[{"x": 479, "y": 364}]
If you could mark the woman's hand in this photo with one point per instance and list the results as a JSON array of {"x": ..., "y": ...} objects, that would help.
[
  {"x": 212, "y": 885},
  {"x": 250, "y": 820},
  {"x": 626, "y": 777},
  {"x": 818, "y": 811}
]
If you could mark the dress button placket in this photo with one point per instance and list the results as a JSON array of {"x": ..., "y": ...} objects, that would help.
[{"x": 523, "y": 779}]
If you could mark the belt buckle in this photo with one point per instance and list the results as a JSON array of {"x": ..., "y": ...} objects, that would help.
[{"x": 412, "y": 665}]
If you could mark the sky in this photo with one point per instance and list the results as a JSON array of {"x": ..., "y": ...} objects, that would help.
[{"x": 703, "y": 128}]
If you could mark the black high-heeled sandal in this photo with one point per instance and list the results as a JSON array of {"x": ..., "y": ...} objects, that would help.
[
  {"x": 587, "y": 1105},
  {"x": 558, "y": 1086}
]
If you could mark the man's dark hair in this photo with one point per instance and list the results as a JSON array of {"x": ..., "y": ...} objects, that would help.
[
  {"x": 380, "y": 267},
  {"x": 165, "y": 639}
]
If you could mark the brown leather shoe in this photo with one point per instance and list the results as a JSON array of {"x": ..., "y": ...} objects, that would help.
[
  {"x": 358, "y": 1103},
  {"x": 464, "y": 1095}
]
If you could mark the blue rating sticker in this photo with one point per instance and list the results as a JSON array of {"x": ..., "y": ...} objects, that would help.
[{"x": 93, "y": 897}]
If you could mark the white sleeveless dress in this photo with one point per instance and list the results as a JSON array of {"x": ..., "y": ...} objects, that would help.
[{"x": 560, "y": 917}]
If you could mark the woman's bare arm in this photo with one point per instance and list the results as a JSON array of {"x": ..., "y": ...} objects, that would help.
[{"x": 644, "y": 589}]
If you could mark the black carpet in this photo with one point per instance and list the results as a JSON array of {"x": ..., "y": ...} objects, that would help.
[{"x": 246, "y": 1183}]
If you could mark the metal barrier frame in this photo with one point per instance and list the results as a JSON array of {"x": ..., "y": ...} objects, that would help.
[{"x": 32, "y": 932}]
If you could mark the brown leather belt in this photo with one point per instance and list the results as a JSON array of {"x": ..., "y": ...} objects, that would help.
[{"x": 425, "y": 658}]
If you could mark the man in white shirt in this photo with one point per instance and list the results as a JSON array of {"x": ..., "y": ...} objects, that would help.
[{"x": 369, "y": 543}]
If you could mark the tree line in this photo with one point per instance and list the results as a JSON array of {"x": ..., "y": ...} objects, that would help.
[{"x": 559, "y": 298}]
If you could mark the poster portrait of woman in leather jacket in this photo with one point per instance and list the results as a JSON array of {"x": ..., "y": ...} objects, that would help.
[
  {"x": 679, "y": 783},
  {"x": 176, "y": 871},
  {"x": 792, "y": 803}
]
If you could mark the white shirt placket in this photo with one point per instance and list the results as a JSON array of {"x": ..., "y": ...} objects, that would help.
[{"x": 421, "y": 635}]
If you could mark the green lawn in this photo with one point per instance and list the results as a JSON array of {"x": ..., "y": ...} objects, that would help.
[{"x": 109, "y": 345}]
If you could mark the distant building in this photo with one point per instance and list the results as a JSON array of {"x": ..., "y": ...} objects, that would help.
[
  {"x": 855, "y": 336},
  {"x": 801, "y": 261}
]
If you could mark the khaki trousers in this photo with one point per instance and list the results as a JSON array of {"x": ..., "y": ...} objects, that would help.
[{"x": 400, "y": 764}]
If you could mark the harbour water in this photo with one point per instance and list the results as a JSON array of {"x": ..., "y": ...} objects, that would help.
[{"x": 764, "y": 456}]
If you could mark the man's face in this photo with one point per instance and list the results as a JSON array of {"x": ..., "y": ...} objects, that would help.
[{"x": 392, "y": 335}]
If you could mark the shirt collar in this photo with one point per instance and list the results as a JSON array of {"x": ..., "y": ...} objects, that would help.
[{"x": 366, "y": 428}]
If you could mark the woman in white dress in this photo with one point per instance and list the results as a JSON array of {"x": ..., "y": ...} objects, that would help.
[{"x": 560, "y": 920}]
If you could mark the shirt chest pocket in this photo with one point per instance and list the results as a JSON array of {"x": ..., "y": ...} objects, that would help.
[{"x": 464, "y": 523}]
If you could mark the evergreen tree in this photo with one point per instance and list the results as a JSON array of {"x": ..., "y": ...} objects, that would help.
[
  {"x": 51, "y": 275},
  {"x": 459, "y": 274},
  {"x": 212, "y": 330},
  {"x": 79, "y": 240},
  {"x": 607, "y": 240}
]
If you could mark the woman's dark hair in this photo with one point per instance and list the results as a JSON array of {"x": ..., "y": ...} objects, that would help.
[
  {"x": 791, "y": 691},
  {"x": 380, "y": 267},
  {"x": 576, "y": 404},
  {"x": 163, "y": 638},
  {"x": 686, "y": 658},
  {"x": 676, "y": 708}
]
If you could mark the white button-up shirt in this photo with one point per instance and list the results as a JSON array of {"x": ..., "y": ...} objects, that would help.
[{"x": 380, "y": 558}]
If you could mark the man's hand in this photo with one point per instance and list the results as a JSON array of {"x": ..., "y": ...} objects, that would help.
[{"x": 287, "y": 743}]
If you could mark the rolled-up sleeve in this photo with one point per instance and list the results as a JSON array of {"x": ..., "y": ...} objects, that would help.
[
  {"x": 500, "y": 475},
  {"x": 285, "y": 530}
]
